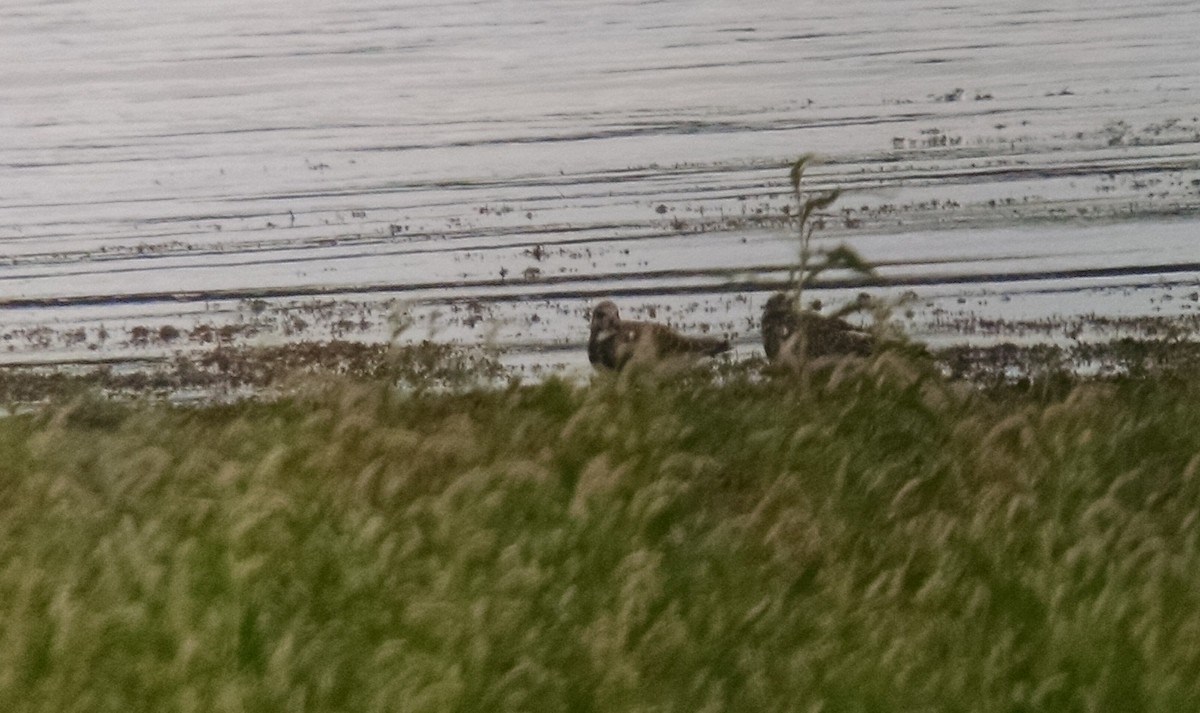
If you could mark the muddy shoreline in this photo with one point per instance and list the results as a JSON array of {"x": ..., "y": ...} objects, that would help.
[
  {"x": 448, "y": 188},
  {"x": 224, "y": 373}
]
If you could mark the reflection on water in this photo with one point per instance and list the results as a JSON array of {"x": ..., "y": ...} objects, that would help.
[{"x": 299, "y": 170}]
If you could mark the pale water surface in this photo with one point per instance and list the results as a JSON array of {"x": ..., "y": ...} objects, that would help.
[{"x": 301, "y": 170}]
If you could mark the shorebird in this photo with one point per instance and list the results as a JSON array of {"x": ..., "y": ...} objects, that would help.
[
  {"x": 793, "y": 331},
  {"x": 614, "y": 341}
]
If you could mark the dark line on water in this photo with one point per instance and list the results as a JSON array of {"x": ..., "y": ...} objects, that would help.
[{"x": 537, "y": 291}]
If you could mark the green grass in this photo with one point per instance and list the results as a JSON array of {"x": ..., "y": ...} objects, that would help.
[{"x": 860, "y": 537}]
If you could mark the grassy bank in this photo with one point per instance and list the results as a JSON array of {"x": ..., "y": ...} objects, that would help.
[{"x": 861, "y": 537}]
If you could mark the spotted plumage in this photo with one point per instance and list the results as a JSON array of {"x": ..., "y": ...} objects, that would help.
[
  {"x": 615, "y": 342},
  {"x": 790, "y": 332}
]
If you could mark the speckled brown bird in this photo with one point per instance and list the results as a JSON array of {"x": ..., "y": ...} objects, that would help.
[
  {"x": 614, "y": 341},
  {"x": 788, "y": 330}
]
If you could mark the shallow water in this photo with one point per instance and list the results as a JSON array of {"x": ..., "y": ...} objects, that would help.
[{"x": 485, "y": 170}]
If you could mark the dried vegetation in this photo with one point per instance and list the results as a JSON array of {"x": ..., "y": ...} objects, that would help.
[{"x": 853, "y": 535}]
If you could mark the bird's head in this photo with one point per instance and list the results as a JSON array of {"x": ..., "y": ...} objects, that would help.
[
  {"x": 605, "y": 320},
  {"x": 778, "y": 305}
]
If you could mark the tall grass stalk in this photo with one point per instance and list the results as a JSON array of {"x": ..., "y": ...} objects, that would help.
[{"x": 806, "y": 270}]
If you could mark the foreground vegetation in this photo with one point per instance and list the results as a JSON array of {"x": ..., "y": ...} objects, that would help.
[{"x": 862, "y": 536}]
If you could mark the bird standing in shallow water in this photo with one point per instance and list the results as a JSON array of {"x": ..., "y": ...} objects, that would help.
[
  {"x": 614, "y": 342},
  {"x": 794, "y": 332}
]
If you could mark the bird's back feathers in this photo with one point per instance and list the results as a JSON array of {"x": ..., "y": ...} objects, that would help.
[
  {"x": 615, "y": 342},
  {"x": 789, "y": 330}
]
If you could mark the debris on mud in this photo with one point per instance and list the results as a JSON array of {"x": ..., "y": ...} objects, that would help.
[{"x": 225, "y": 372}]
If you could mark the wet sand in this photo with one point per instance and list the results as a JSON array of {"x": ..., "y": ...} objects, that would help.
[{"x": 480, "y": 174}]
